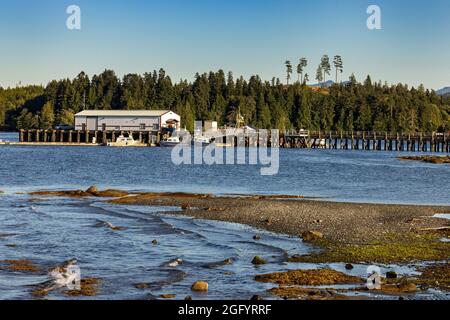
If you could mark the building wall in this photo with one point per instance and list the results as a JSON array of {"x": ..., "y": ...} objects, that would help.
[
  {"x": 171, "y": 116},
  {"x": 125, "y": 123}
]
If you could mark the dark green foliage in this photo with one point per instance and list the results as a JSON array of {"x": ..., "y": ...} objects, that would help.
[{"x": 218, "y": 96}]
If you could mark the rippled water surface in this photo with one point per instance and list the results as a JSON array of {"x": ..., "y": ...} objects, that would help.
[
  {"x": 339, "y": 175},
  {"x": 51, "y": 231}
]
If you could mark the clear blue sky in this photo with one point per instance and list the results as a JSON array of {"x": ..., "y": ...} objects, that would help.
[{"x": 244, "y": 36}]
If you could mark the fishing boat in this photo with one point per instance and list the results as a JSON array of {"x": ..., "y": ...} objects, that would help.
[
  {"x": 170, "y": 142},
  {"x": 123, "y": 141}
]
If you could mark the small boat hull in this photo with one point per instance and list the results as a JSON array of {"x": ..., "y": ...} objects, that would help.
[{"x": 168, "y": 144}]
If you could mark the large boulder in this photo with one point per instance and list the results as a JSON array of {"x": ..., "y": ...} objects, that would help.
[
  {"x": 258, "y": 261},
  {"x": 200, "y": 286},
  {"x": 92, "y": 190},
  {"x": 391, "y": 275},
  {"x": 349, "y": 266}
]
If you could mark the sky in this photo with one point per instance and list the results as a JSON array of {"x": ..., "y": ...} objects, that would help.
[{"x": 246, "y": 37}]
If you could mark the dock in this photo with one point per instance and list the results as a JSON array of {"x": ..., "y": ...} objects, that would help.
[
  {"x": 339, "y": 140},
  {"x": 375, "y": 141},
  {"x": 83, "y": 137}
]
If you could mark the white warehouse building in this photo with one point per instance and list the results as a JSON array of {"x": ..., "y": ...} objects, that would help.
[{"x": 127, "y": 120}]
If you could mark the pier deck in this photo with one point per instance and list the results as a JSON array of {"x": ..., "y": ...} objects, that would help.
[{"x": 354, "y": 140}]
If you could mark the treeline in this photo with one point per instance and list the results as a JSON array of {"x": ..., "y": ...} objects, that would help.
[{"x": 218, "y": 96}]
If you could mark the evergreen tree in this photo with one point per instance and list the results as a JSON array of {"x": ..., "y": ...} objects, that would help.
[
  {"x": 304, "y": 117},
  {"x": 319, "y": 75},
  {"x": 215, "y": 95},
  {"x": 303, "y": 63},
  {"x": 47, "y": 116},
  {"x": 325, "y": 66},
  {"x": 338, "y": 65},
  {"x": 66, "y": 117},
  {"x": 306, "y": 79},
  {"x": 288, "y": 71}
]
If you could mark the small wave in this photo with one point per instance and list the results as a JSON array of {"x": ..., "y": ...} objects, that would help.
[
  {"x": 173, "y": 276},
  {"x": 219, "y": 264},
  {"x": 7, "y": 235},
  {"x": 108, "y": 225},
  {"x": 266, "y": 247}
]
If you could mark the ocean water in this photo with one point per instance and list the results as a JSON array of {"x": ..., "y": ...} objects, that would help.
[
  {"x": 337, "y": 175},
  {"x": 49, "y": 231}
]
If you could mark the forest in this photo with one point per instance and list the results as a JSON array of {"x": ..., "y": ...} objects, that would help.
[{"x": 346, "y": 106}]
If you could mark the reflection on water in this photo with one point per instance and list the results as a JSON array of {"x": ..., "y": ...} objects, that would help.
[{"x": 9, "y": 136}]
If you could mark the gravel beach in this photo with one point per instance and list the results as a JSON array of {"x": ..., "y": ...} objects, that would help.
[{"x": 339, "y": 222}]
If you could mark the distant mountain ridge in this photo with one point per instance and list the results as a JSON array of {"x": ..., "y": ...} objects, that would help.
[
  {"x": 443, "y": 91},
  {"x": 325, "y": 84}
]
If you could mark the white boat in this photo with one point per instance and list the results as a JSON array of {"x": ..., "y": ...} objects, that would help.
[
  {"x": 170, "y": 142},
  {"x": 201, "y": 140},
  {"x": 123, "y": 141}
]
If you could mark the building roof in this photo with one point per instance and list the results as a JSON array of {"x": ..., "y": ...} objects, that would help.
[{"x": 121, "y": 113}]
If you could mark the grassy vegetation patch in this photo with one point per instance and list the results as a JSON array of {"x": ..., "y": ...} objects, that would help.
[
  {"x": 309, "y": 278},
  {"x": 89, "y": 288},
  {"x": 18, "y": 265},
  {"x": 393, "y": 249}
]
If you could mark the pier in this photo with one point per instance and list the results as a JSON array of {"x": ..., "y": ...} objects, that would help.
[
  {"x": 341, "y": 140},
  {"x": 375, "y": 141},
  {"x": 84, "y": 137}
]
